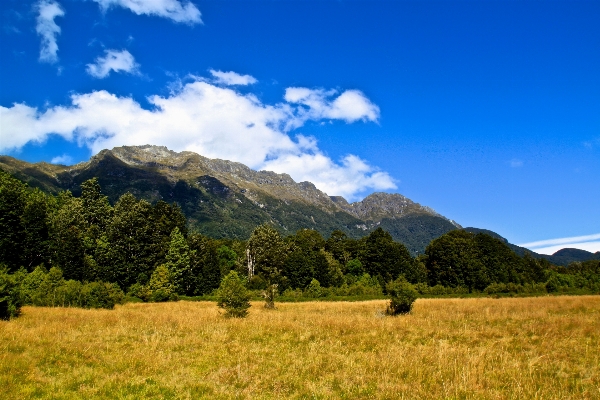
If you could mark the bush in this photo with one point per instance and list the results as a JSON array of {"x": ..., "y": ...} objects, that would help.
[
  {"x": 49, "y": 289},
  {"x": 161, "y": 286},
  {"x": 553, "y": 284},
  {"x": 402, "y": 296},
  {"x": 233, "y": 297},
  {"x": 10, "y": 296},
  {"x": 313, "y": 289},
  {"x": 101, "y": 295}
]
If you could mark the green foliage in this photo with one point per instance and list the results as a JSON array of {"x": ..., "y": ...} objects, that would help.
[
  {"x": 233, "y": 297},
  {"x": 227, "y": 259},
  {"x": 85, "y": 239},
  {"x": 314, "y": 289},
  {"x": 12, "y": 203},
  {"x": 402, "y": 296},
  {"x": 10, "y": 295},
  {"x": 355, "y": 267},
  {"x": 205, "y": 264},
  {"x": 381, "y": 256},
  {"x": 268, "y": 252},
  {"x": 461, "y": 258},
  {"x": 178, "y": 263},
  {"x": 50, "y": 289},
  {"x": 161, "y": 286}
]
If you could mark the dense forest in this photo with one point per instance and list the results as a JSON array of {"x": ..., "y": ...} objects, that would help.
[{"x": 84, "y": 251}]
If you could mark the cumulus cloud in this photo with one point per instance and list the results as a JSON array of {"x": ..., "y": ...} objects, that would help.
[
  {"x": 350, "y": 106},
  {"x": 231, "y": 78},
  {"x": 48, "y": 10},
  {"x": 63, "y": 160},
  {"x": 183, "y": 12},
  {"x": 214, "y": 121},
  {"x": 551, "y": 246},
  {"x": 113, "y": 60}
]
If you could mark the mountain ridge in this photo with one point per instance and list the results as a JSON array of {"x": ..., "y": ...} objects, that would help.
[{"x": 223, "y": 198}]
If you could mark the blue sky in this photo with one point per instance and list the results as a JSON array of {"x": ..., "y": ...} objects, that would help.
[{"x": 486, "y": 111}]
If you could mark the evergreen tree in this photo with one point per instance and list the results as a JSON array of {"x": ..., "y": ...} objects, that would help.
[
  {"x": 383, "y": 257},
  {"x": 130, "y": 236},
  {"x": 97, "y": 211},
  {"x": 67, "y": 227},
  {"x": 35, "y": 221},
  {"x": 337, "y": 245},
  {"x": 204, "y": 263},
  {"x": 233, "y": 297},
  {"x": 12, "y": 234},
  {"x": 178, "y": 263},
  {"x": 10, "y": 295},
  {"x": 452, "y": 260}
]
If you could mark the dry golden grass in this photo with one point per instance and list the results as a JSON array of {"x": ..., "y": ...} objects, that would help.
[{"x": 542, "y": 348}]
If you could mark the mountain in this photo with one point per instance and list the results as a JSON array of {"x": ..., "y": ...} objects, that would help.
[
  {"x": 222, "y": 198},
  {"x": 568, "y": 255},
  {"x": 562, "y": 257}
]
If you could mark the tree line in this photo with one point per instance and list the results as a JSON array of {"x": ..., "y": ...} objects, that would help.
[{"x": 147, "y": 251}]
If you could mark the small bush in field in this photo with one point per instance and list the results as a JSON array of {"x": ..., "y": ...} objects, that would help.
[
  {"x": 402, "y": 296},
  {"x": 233, "y": 297},
  {"x": 313, "y": 289}
]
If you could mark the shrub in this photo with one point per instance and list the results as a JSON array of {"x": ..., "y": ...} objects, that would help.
[
  {"x": 233, "y": 297},
  {"x": 402, "y": 296},
  {"x": 10, "y": 296},
  {"x": 101, "y": 295},
  {"x": 161, "y": 286},
  {"x": 313, "y": 289},
  {"x": 553, "y": 284}
]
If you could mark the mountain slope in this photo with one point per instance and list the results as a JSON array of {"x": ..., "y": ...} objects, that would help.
[
  {"x": 562, "y": 257},
  {"x": 227, "y": 199}
]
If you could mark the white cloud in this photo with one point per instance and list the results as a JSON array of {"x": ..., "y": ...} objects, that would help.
[
  {"x": 217, "y": 122},
  {"x": 63, "y": 160},
  {"x": 551, "y": 246},
  {"x": 174, "y": 10},
  {"x": 350, "y": 106},
  {"x": 46, "y": 27},
  {"x": 515, "y": 163},
  {"x": 231, "y": 78},
  {"x": 588, "y": 246},
  {"x": 113, "y": 60}
]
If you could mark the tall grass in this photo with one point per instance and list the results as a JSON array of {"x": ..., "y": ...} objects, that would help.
[{"x": 545, "y": 348}]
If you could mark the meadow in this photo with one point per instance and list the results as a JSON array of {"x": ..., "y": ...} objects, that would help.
[{"x": 482, "y": 348}]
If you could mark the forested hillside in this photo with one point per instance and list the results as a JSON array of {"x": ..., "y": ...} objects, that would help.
[
  {"x": 224, "y": 199},
  {"x": 148, "y": 251}
]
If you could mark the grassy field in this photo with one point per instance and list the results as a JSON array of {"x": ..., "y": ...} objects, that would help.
[{"x": 510, "y": 348}]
